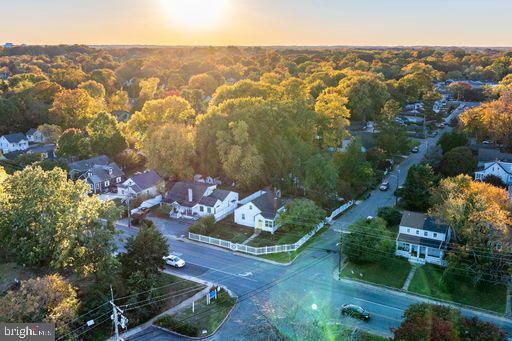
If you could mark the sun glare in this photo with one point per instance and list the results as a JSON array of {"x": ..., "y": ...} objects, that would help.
[{"x": 195, "y": 14}]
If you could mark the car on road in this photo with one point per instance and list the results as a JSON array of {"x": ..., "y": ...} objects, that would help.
[
  {"x": 415, "y": 150},
  {"x": 355, "y": 311},
  {"x": 384, "y": 186},
  {"x": 175, "y": 261}
]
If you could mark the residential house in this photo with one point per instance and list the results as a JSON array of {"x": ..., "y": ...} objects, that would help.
[
  {"x": 502, "y": 170},
  {"x": 193, "y": 200},
  {"x": 13, "y": 142},
  {"x": 488, "y": 154},
  {"x": 35, "y": 136},
  {"x": 421, "y": 239},
  {"x": 145, "y": 184},
  {"x": 261, "y": 212},
  {"x": 100, "y": 173},
  {"x": 8, "y": 45},
  {"x": 48, "y": 151}
]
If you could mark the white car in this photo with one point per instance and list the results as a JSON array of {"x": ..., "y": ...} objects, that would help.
[
  {"x": 384, "y": 186},
  {"x": 175, "y": 261}
]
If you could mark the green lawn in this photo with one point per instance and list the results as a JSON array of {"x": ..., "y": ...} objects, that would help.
[
  {"x": 427, "y": 281},
  {"x": 285, "y": 257},
  {"x": 278, "y": 238},
  {"x": 389, "y": 271},
  {"x": 204, "y": 318},
  {"x": 226, "y": 229}
]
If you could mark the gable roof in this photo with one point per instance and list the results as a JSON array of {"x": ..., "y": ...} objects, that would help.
[
  {"x": 84, "y": 165},
  {"x": 31, "y": 131},
  {"x": 179, "y": 193},
  {"x": 145, "y": 180},
  {"x": 42, "y": 149},
  {"x": 268, "y": 204},
  {"x": 100, "y": 173},
  {"x": 15, "y": 138},
  {"x": 489, "y": 155},
  {"x": 506, "y": 166},
  {"x": 422, "y": 221}
]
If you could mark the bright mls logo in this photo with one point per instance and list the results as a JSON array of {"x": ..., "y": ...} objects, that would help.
[{"x": 27, "y": 331}]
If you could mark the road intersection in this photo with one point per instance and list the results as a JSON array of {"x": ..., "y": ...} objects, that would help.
[{"x": 288, "y": 297}]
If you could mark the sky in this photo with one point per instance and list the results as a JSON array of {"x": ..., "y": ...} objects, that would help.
[{"x": 258, "y": 22}]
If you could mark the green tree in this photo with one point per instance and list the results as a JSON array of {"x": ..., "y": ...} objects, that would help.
[
  {"x": 320, "y": 177},
  {"x": 451, "y": 140},
  {"x": 459, "y": 160},
  {"x": 56, "y": 209},
  {"x": 391, "y": 215},
  {"x": 333, "y": 118},
  {"x": 416, "y": 193},
  {"x": 95, "y": 89},
  {"x": 355, "y": 173},
  {"x": 203, "y": 82},
  {"x": 51, "y": 133},
  {"x": 368, "y": 241},
  {"x": 429, "y": 98},
  {"x": 73, "y": 142},
  {"x": 391, "y": 109},
  {"x": 392, "y": 138},
  {"x": 144, "y": 253},
  {"x": 105, "y": 136},
  {"x": 169, "y": 149},
  {"x": 300, "y": 216}
]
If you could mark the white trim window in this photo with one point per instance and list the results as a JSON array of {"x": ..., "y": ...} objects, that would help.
[
  {"x": 118, "y": 179},
  {"x": 106, "y": 183}
]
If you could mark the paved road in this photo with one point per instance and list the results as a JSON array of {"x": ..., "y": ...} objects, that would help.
[{"x": 277, "y": 297}]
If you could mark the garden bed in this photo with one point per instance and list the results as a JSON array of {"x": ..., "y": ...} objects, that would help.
[
  {"x": 204, "y": 321},
  {"x": 427, "y": 281}
]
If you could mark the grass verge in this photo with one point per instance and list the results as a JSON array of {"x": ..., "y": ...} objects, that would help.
[
  {"x": 428, "y": 281},
  {"x": 389, "y": 271},
  {"x": 205, "y": 319}
]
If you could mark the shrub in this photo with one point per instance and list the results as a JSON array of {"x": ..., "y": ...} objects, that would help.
[
  {"x": 181, "y": 327},
  {"x": 391, "y": 215},
  {"x": 203, "y": 225}
]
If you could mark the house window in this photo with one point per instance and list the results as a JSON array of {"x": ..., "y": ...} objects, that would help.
[
  {"x": 435, "y": 235},
  {"x": 250, "y": 207},
  {"x": 201, "y": 208},
  {"x": 425, "y": 234},
  {"x": 118, "y": 179},
  {"x": 417, "y": 231},
  {"x": 269, "y": 223},
  {"x": 209, "y": 210},
  {"x": 403, "y": 246},
  {"x": 243, "y": 216},
  {"x": 408, "y": 230},
  {"x": 107, "y": 183}
]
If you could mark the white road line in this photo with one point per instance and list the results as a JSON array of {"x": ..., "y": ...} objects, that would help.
[
  {"x": 379, "y": 304},
  {"x": 224, "y": 272}
]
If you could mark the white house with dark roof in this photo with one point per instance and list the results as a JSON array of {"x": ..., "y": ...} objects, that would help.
[
  {"x": 13, "y": 142},
  {"x": 502, "y": 170},
  {"x": 421, "y": 239},
  {"x": 35, "y": 136},
  {"x": 261, "y": 212},
  {"x": 100, "y": 173},
  {"x": 194, "y": 200},
  {"x": 141, "y": 184}
]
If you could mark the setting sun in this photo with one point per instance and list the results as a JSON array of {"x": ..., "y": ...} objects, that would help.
[{"x": 195, "y": 14}]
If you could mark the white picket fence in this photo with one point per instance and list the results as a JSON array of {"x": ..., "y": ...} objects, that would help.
[
  {"x": 263, "y": 250},
  {"x": 339, "y": 210}
]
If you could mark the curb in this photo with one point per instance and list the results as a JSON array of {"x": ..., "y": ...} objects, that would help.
[{"x": 430, "y": 299}]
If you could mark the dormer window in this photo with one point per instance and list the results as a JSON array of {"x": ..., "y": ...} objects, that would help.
[{"x": 110, "y": 170}]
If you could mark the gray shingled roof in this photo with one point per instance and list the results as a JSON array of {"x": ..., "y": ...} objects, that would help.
[
  {"x": 15, "y": 138},
  {"x": 422, "y": 221},
  {"x": 100, "y": 173},
  {"x": 31, "y": 131},
  {"x": 489, "y": 155},
  {"x": 268, "y": 204},
  {"x": 418, "y": 240},
  {"x": 84, "y": 165},
  {"x": 145, "y": 180},
  {"x": 179, "y": 193}
]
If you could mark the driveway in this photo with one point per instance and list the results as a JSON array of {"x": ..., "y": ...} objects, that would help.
[{"x": 171, "y": 228}]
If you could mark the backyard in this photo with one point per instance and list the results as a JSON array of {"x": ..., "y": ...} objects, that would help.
[
  {"x": 389, "y": 271},
  {"x": 427, "y": 281}
]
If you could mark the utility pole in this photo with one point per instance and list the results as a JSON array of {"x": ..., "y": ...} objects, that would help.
[
  {"x": 129, "y": 212},
  {"x": 397, "y": 181},
  {"x": 116, "y": 312}
]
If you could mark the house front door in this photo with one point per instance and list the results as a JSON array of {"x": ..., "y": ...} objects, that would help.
[{"x": 259, "y": 225}]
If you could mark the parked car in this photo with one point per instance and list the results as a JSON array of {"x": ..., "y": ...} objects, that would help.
[
  {"x": 356, "y": 311},
  {"x": 384, "y": 186},
  {"x": 415, "y": 150},
  {"x": 175, "y": 261}
]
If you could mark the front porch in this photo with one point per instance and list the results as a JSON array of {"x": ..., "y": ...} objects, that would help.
[{"x": 420, "y": 254}]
